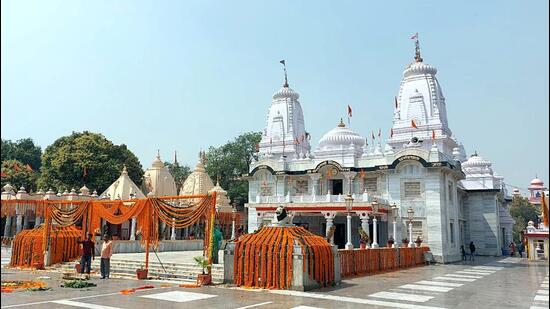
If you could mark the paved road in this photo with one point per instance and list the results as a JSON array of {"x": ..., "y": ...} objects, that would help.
[{"x": 487, "y": 283}]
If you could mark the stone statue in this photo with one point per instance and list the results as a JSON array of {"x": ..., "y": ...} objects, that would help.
[{"x": 282, "y": 217}]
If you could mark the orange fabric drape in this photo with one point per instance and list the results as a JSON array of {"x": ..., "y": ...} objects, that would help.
[{"x": 264, "y": 259}]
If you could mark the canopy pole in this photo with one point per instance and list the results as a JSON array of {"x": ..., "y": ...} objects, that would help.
[{"x": 211, "y": 233}]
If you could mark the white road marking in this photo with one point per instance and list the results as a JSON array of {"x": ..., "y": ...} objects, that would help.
[
  {"x": 179, "y": 296},
  {"x": 454, "y": 279},
  {"x": 544, "y": 285},
  {"x": 257, "y": 305},
  {"x": 488, "y": 267},
  {"x": 480, "y": 270},
  {"x": 463, "y": 276},
  {"x": 541, "y": 298},
  {"x": 438, "y": 283},
  {"x": 402, "y": 296},
  {"x": 305, "y": 307},
  {"x": 471, "y": 273},
  {"x": 543, "y": 292},
  {"x": 537, "y": 307},
  {"x": 425, "y": 288},
  {"x": 352, "y": 300},
  {"x": 81, "y": 305}
]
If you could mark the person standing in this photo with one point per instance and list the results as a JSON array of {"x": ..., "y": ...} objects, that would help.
[
  {"x": 463, "y": 253},
  {"x": 520, "y": 249},
  {"x": 472, "y": 251},
  {"x": 106, "y": 253},
  {"x": 88, "y": 254},
  {"x": 216, "y": 246},
  {"x": 512, "y": 247}
]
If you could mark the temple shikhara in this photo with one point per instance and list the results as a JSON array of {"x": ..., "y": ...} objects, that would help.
[{"x": 421, "y": 178}]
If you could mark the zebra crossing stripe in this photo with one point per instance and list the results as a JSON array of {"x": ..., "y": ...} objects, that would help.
[
  {"x": 463, "y": 276},
  {"x": 421, "y": 287},
  {"x": 472, "y": 273},
  {"x": 438, "y": 283},
  {"x": 402, "y": 296},
  {"x": 81, "y": 304},
  {"x": 541, "y": 298},
  {"x": 454, "y": 279}
]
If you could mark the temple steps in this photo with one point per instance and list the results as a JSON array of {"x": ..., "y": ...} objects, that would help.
[{"x": 172, "y": 271}]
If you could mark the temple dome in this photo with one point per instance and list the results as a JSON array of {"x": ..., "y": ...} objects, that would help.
[
  {"x": 222, "y": 201},
  {"x": 341, "y": 136},
  {"x": 123, "y": 188},
  {"x": 537, "y": 181},
  {"x": 476, "y": 161},
  {"x": 419, "y": 68},
  {"x": 158, "y": 179},
  {"x": 536, "y": 184},
  {"x": 198, "y": 182},
  {"x": 286, "y": 92}
]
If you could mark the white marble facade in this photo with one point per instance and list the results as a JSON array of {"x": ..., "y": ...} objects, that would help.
[{"x": 419, "y": 168}]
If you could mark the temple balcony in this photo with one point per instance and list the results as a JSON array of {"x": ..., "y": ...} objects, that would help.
[{"x": 308, "y": 198}]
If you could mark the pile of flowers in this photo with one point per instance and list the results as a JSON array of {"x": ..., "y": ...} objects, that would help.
[{"x": 9, "y": 286}]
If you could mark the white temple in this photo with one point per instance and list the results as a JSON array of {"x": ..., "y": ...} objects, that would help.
[
  {"x": 422, "y": 167},
  {"x": 158, "y": 180}
]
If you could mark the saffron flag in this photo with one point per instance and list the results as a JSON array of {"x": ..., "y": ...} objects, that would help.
[
  {"x": 415, "y": 36},
  {"x": 16, "y": 167},
  {"x": 544, "y": 205},
  {"x": 29, "y": 168},
  {"x": 433, "y": 134},
  {"x": 391, "y": 132},
  {"x": 362, "y": 173},
  {"x": 349, "y": 111},
  {"x": 413, "y": 124},
  {"x": 329, "y": 173}
]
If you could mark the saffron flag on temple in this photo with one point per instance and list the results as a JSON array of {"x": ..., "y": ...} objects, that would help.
[
  {"x": 544, "y": 208},
  {"x": 415, "y": 36},
  {"x": 433, "y": 134},
  {"x": 362, "y": 173},
  {"x": 349, "y": 111},
  {"x": 16, "y": 167},
  {"x": 413, "y": 124},
  {"x": 29, "y": 169}
]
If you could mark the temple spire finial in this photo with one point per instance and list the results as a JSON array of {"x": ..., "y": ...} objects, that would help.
[
  {"x": 417, "y": 56},
  {"x": 341, "y": 124},
  {"x": 283, "y": 62},
  {"x": 158, "y": 153},
  {"x": 175, "y": 157}
]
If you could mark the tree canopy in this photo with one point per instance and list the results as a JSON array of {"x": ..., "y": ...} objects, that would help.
[
  {"x": 86, "y": 158},
  {"x": 23, "y": 150},
  {"x": 230, "y": 161},
  {"x": 522, "y": 211},
  {"x": 17, "y": 174},
  {"x": 179, "y": 172}
]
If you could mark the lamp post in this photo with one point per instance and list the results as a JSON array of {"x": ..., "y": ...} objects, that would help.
[
  {"x": 233, "y": 215},
  {"x": 349, "y": 206},
  {"x": 410, "y": 213},
  {"x": 374, "y": 224},
  {"x": 394, "y": 210}
]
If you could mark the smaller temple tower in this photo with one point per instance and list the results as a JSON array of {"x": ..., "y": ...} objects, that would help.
[{"x": 536, "y": 189}]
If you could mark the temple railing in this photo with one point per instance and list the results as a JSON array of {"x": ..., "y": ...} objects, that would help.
[
  {"x": 308, "y": 198},
  {"x": 359, "y": 262}
]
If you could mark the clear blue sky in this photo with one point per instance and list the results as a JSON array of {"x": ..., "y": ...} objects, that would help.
[{"x": 185, "y": 75}]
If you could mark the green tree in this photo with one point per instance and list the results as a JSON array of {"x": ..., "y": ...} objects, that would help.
[
  {"x": 24, "y": 151},
  {"x": 179, "y": 172},
  {"x": 17, "y": 174},
  {"x": 86, "y": 158},
  {"x": 522, "y": 211},
  {"x": 230, "y": 161}
]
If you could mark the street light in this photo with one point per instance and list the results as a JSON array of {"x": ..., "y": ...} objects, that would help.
[
  {"x": 374, "y": 221},
  {"x": 394, "y": 211},
  {"x": 410, "y": 213},
  {"x": 349, "y": 206}
]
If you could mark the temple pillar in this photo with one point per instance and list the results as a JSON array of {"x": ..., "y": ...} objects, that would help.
[
  {"x": 173, "y": 230},
  {"x": 329, "y": 216},
  {"x": 314, "y": 180},
  {"x": 349, "y": 182},
  {"x": 7, "y": 228},
  {"x": 18, "y": 224},
  {"x": 25, "y": 222},
  {"x": 133, "y": 229}
]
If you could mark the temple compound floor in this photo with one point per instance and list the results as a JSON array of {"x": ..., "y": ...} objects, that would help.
[{"x": 485, "y": 283}]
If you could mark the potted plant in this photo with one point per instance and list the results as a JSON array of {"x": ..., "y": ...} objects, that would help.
[
  {"x": 203, "y": 279},
  {"x": 141, "y": 273},
  {"x": 405, "y": 242},
  {"x": 418, "y": 241},
  {"x": 364, "y": 241},
  {"x": 391, "y": 241}
]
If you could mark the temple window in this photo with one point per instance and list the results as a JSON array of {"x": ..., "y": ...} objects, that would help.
[
  {"x": 301, "y": 186},
  {"x": 371, "y": 184},
  {"x": 412, "y": 189}
]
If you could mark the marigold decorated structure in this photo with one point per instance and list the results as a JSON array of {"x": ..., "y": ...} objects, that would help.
[
  {"x": 174, "y": 211},
  {"x": 158, "y": 183}
]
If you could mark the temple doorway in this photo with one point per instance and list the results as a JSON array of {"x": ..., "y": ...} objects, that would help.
[
  {"x": 336, "y": 186},
  {"x": 340, "y": 236}
]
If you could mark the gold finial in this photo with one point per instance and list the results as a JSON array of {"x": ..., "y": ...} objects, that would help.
[{"x": 341, "y": 124}]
